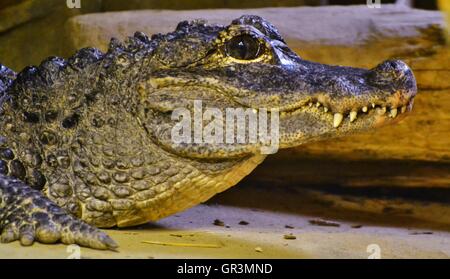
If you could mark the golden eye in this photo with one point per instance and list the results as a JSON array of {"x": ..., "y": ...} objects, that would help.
[{"x": 243, "y": 47}]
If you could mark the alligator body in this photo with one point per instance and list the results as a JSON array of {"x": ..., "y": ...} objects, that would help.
[{"x": 86, "y": 142}]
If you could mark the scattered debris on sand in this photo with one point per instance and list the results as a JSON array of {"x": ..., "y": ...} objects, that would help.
[
  {"x": 321, "y": 222},
  {"x": 290, "y": 236},
  {"x": 288, "y": 227},
  {"x": 178, "y": 244},
  {"x": 259, "y": 249},
  {"x": 182, "y": 234},
  {"x": 417, "y": 233},
  {"x": 243, "y": 223},
  {"x": 219, "y": 223},
  {"x": 356, "y": 226}
]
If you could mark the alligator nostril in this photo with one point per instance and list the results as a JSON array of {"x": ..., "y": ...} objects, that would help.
[{"x": 393, "y": 65}]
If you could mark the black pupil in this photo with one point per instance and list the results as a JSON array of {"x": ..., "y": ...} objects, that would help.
[{"x": 243, "y": 47}]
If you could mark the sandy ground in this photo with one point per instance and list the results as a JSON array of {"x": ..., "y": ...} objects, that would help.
[{"x": 262, "y": 237}]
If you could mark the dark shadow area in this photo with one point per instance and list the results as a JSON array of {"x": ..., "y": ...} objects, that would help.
[
  {"x": 328, "y": 188},
  {"x": 388, "y": 174},
  {"x": 299, "y": 202}
]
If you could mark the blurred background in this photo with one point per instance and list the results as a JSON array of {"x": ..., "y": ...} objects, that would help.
[
  {"x": 31, "y": 30},
  {"x": 401, "y": 170}
]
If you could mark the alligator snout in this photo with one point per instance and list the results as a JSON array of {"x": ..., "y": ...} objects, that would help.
[
  {"x": 396, "y": 80},
  {"x": 373, "y": 96},
  {"x": 392, "y": 70}
]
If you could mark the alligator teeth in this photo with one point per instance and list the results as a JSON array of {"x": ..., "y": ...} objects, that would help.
[
  {"x": 403, "y": 109},
  {"x": 364, "y": 109},
  {"x": 325, "y": 109},
  {"x": 310, "y": 104},
  {"x": 393, "y": 112},
  {"x": 337, "y": 119},
  {"x": 353, "y": 116},
  {"x": 317, "y": 104},
  {"x": 381, "y": 110},
  {"x": 373, "y": 105}
]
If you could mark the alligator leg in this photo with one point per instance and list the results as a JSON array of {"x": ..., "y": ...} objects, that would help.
[{"x": 27, "y": 215}]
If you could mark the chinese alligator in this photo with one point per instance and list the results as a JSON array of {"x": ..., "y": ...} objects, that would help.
[{"x": 86, "y": 142}]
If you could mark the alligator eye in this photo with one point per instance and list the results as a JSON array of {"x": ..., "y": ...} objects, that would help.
[{"x": 243, "y": 47}]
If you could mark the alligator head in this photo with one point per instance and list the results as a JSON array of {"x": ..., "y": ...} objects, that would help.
[{"x": 248, "y": 64}]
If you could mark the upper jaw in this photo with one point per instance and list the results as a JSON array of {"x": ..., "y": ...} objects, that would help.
[
  {"x": 340, "y": 107},
  {"x": 346, "y": 92},
  {"x": 317, "y": 122},
  {"x": 387, "y": 104},
  {"x": 373, "y": 114}
]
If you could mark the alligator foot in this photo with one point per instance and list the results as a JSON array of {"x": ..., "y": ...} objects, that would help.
[{"x": 28, "y": 216}]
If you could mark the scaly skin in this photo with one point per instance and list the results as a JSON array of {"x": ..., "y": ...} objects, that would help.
[{"x": 92, "y": 135}]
